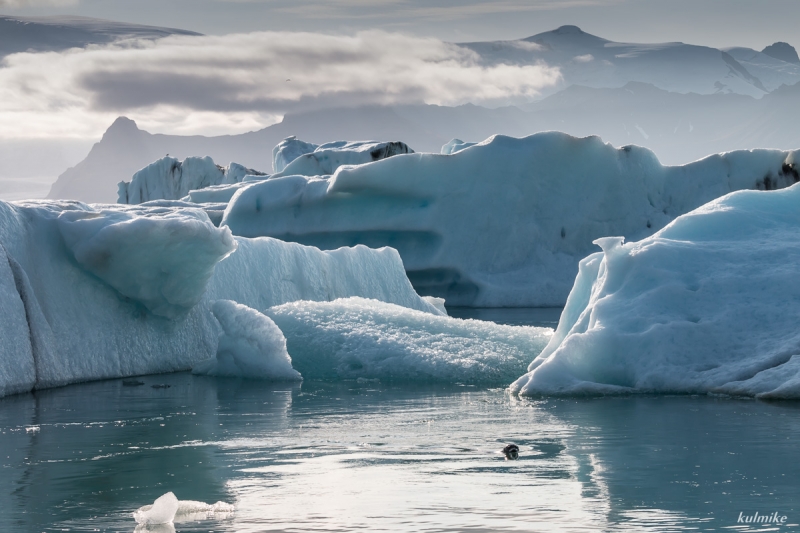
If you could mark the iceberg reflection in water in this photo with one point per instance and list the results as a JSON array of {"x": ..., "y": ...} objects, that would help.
[{"x": 373, "y": 456}]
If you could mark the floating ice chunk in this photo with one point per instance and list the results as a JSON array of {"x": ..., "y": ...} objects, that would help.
[
  {"x": 707, "y": 304},
  {"x": 190, "y": 509},
  {"x": 161, "y": 258},
  {"x": 456, "y": 145},
  {"x": 170, "y": 179},
  {"x": 288, "y": 150},
  {"x": 161, "y": 512},
  {"x": 251, "y": 346},
  {"x": 168, "y": 509},
  {"x": 359, "y": 338}
]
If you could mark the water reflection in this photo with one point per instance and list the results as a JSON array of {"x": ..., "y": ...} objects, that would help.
[{"x": 371, "y": 456}]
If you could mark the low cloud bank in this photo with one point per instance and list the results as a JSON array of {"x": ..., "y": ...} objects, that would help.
[{"x": 232, "y": 83}]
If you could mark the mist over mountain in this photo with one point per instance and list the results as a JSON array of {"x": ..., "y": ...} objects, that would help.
[{"x": 589, "y": 60}]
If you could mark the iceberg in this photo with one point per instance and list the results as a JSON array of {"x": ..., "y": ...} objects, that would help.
[
  {"x": 168, "y": 509},
  {"x": 292, "y": 159},
  {"x": 503, "y": 223},
  {"x": 288, "y": 150},
  {"x": 114, "y": 291},
  {"x": 708, "y": 304},
  {"x": 170, "y": 179},
  {"x": 455, "y": 145},
  {"x": 251, "y": 346},
  {"x": 358, "y": 338}
]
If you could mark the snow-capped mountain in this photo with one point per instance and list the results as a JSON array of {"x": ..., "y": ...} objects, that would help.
[{"x": 592, "y": 61}]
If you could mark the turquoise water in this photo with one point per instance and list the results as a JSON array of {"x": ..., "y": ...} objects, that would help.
[{"x": 374, "y": 456}]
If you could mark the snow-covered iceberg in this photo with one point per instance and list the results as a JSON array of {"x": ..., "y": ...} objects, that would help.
[
  {"x": 112, "y": 291},
  {"x": 171, "y": 179},
  {"x": 503, "y": 223},
  {"x": 358, "y": 338},
  {"x": 709, "y": 304}
]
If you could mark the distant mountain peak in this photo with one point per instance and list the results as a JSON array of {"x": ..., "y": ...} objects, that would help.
[
  {"x": 122, "y": 126},
  {"x": 782, "y": 51},
  {"x": 567, "y": 34},
  {"x": 568, "y": 30}
]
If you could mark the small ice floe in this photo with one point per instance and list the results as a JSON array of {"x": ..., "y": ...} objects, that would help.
[
  {"x": 167, "y": 510},
  {"x": 32, "y": 429},
  {"x": 511, "y": 451}
]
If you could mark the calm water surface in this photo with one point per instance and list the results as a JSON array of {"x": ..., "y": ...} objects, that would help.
[{"x": 374, "y": 456}]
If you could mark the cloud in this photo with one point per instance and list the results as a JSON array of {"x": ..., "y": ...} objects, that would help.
[
  {"x": 427, "y": 9},
  {"x": 13, "y": 4},
  {"x": 240, "y": 82}
]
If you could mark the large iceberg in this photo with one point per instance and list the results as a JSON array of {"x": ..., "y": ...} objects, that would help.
[
  {"x": 171, "y": 179},
  {"x": 709, "y": 304},
  {"x": 111, "y": 291},
  {"x": 503, "y": 223}
]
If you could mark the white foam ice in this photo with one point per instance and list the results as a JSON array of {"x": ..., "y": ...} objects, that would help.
[
  {"x": 358, "y": 338},
  {"x": 706, "y": 305},
  {"x": 251, "y": 346}
]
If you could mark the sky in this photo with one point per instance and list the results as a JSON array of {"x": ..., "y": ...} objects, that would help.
[
  {"x": 718, "y": 23},
  {"x": 263, "y": 58}
]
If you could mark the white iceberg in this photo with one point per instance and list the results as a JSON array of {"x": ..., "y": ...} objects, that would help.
[
  {"x": 113, "y": 291},
  {"x": 290, "y": 156},
  {"x": 171, "y": 179},
  {"x": 250, "y": 346},
  {"x": 288, "y": 150},
  {"x": 709, "y": 304},
  {"x": 168, "y": 509},
  {"x": 354, "y": 338},
  {"x": 505, "y": 222},
  {"x": 455, "y": 145}
]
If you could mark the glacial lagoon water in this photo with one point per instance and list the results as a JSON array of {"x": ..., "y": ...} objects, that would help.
[{"x": 372, "y": 456}]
